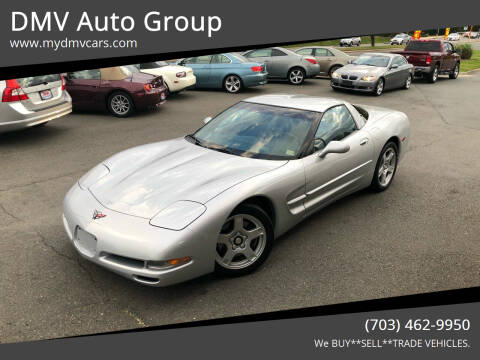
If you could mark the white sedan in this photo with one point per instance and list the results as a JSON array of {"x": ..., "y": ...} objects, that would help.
[
  {"x": 454, "y": 37},
  {"x": 177, "y": 78}
]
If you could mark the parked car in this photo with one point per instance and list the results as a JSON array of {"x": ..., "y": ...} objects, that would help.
[
  {"x": 374, "y": 73},
  {"x": 400, "y": 39},
  {"x": 33, "y": 101},
  {"x": 351, "y": 41},
  {"x": 231, "y": 72},
  {"x": 116, "y": 89},
  {"x": 175, "y": 77},
  {"x": 453, "y": 37},
  {"x": 328, "y": 58},
  {"x": 285, "y": 64},
  {"x": 431, "y": 58},
  {"x": 260, "y": 166}
]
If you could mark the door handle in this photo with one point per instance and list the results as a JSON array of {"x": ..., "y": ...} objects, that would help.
[{"x": 364, "y": 141}]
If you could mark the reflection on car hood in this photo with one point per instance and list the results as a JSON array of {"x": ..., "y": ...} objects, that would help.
[
  {"x": 360, "y": 70},
  {"x": 147, "y": 179}
]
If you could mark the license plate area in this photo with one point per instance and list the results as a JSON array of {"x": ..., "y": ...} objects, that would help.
[
  {"x": 85, "y": 242},
  {"x": 46, "y": 94},
  {"x": 348, "y": 83}
]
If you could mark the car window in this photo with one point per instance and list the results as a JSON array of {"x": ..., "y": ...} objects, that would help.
[
  {"x": 323, "y": 52},
  {"x": 336, "y": 124},
  {"x": 421, "y": 45},
  {"x": 205, "y": 59},
  {"x": 37, "y": 80},
  {"x": 398, "y": 60},
  {"x": 258, "y": 131},
  {"x": 220, "y": 59},
  {"x": 150, "y": 65},
  {"x": 85, "y": 74},
  {"x": 307, "y": 51},
  {"x": 259, "y": 53},
  {"x": 276, "y": 52},
  {"x": 448, "y": 47}
]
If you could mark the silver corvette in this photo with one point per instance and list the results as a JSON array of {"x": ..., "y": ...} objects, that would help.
[{"x": 167, "y": 212}]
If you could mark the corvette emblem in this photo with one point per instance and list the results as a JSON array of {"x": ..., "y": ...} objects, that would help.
[{"x": 98, "y": 215}]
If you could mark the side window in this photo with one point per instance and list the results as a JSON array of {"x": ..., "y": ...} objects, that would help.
[
  {"x": 205, "y": 59},
  {"x": 86, "y": 74},
  {"x": 323, "y": 52},
  {"x": 307, "y": 51},
  {"x": 397, "y": 60},
  {"x": 259, "y": 53},
  {"x": 189, "y": 60},
  {"x": 220, "y": 59},
  {"x": 336, "y": 124},
  {"x": 276, "y": 52}
]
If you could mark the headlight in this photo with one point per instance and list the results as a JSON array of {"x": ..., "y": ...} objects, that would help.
[
  {"x": 93, "y": 176},
  {"x": 178, "y": 215},
  {"x": 368, "y": 78},
  {"x": 335, "y": 75}
]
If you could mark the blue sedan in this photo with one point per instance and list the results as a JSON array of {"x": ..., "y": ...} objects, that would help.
[{"x": 231, "y": 72}]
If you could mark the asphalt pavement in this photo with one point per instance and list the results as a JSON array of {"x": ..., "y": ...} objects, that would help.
[{"x": 421, "y": 235}]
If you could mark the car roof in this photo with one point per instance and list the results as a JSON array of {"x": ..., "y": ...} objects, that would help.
[{"x": 301, "y": 102}]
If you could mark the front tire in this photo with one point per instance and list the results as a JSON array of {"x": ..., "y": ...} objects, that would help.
[
  {"x": 232, "y": 84},
  {"x": 120, "y": 104},
  {"x": 380, "y": 87},
  {"x": 244, "y": 242},
  {"x": 455, "y": 72},
  {"x": 332, "y": 70},
  {"x": 296, "y": 76},
  {"x": 386, "y": 167},
  {"x": 408, "y": 82}
]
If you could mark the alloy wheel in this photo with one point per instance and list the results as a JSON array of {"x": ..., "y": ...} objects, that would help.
[
  {"x": 387, "y": 167},
  {"x": 120, "y": 104},
  {"x": 296, "y": 76},
  {"x": 232, "y": 84}
]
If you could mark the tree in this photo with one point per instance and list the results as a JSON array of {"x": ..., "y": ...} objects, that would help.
[{"x": 372, "y": 40}]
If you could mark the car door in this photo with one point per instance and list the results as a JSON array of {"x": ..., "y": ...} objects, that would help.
[
  {"x": 221, "y": 66},
  {"x": 335, "y": 175},
  {"x": 325, "y": 59},
  {"x": 393, "y": 74},
  {"x": 201, "y": 68},
  {"x": 450, "y": 57},
  {"x": 83, "y": 87},
  {"x": 262, "y": 56},
  {"x": 280, "y": 63}
]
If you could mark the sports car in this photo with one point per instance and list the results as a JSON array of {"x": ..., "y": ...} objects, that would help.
[
  {"x": 215, "y": 200},
  {"x": 374, "y": 73}
]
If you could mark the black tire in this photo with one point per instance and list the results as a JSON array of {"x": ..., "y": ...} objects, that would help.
[
  {"x": 300, "y": 72},
  {"x": 380, "y": 87},
  {"x": 333, "y": 69},
  {"x": 408, "y": 82},
  {"x": 261, "y": 216},
  {"x": 455, "y": 71},
  {"x": 232, "y": 84},
  {"x": 116, "y": 109},
  {"x": 376, "y": 184},
  {"x": 433, "y": 76}
]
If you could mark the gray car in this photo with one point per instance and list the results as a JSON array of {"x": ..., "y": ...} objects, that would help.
[
  {"x": 329, "y": 58},
  {"x": 351, "y": 41},
  {"x": 374, "y": 73},
  {"x": 32, "y": 101},
  {"x": 282, "y": 63},
  {"x": 170, "y": 211}
]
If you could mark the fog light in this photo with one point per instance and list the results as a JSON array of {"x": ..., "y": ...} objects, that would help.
[{"x": 168, "y": 264}]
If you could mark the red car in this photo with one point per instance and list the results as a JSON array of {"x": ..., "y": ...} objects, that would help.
[{"x": 116, "y": 89}]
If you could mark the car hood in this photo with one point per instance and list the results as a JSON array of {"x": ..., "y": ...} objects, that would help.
[
  {"x": 147, "y": 179},
  {"x": 360, "y": 70}
]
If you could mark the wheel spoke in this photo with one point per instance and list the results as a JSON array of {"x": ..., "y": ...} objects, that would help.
[
  {"x": 255, "y": 233},
  {"x": 228, "y": 256},
  {"x": 224, "y": 239},
  {"x": 249, "y": 252},
  {"x": 238, "y": 223}
]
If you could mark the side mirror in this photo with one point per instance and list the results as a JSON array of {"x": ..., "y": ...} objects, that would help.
[
  {"x": 394, "y": 66},
  {"x": 334, "y": 147},
  {"x": 207, "y": 119}
]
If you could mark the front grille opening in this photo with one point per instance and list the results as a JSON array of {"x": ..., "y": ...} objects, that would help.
[
  {"x": 125, "y": 261},
  {"x": 146, "y": 279}
]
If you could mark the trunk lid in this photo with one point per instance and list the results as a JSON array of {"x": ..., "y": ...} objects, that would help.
[{"x": 43, "y": 91}]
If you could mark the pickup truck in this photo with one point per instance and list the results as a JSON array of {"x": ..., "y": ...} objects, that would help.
[{"x": 431, "y": 58}]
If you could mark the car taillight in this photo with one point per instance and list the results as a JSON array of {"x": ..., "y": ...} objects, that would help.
[
  {"x": 13, "y": 92},
  {"x": 64, "y": 83},
  {"x": 181, "y": 74},
  {"x": 313, "y": 61},
  {"x": 429, "y": 60},
  {"x": 147, "y": 87},
  {"x": 257, "y": 68}
]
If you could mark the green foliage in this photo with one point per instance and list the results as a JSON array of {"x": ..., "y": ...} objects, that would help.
[{"x": 466, "y": 51}]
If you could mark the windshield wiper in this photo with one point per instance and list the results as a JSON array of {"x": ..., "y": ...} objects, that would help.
[{"x": 196, "y": 141}]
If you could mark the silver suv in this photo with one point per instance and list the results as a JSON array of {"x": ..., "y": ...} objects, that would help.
[{"x": 32, "y": 101}]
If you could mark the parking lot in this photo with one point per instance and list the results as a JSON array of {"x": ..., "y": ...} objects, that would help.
[{"x": 421, "y": 235}]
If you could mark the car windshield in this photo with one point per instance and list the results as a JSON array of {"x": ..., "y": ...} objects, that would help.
[
  {"x": 372, "y": 60},
  {"x": 257, "y": 131}
]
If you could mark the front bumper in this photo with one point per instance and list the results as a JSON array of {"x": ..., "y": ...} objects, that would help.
[
  {"x": 123, "y": 244},
  {"x": 255, "y": 79},
  {"x": 24, "y": 118},
  {"x": 356, "y": 85}
]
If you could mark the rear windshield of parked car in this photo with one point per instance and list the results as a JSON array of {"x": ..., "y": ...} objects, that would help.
[
  {"x": 433, "y": 46},
  {"x": 37, "y": 80}
]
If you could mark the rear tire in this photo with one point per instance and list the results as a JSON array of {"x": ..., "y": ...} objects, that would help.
[
  {"x": 120, "y": 104},
  {"x": 455, "y": 71},
  {"x": 296, "y": 76},
  {"x": 408, "y": 82},
  {"x": 244, "y": 242},
  {"x": 433, "y": 76},
  {"x": 232, "y": 84}
]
